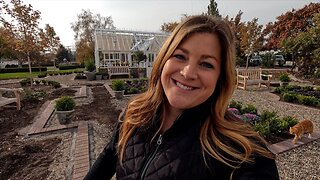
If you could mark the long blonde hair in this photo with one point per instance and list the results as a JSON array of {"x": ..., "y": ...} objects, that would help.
[{"x": 220, "y": 122}]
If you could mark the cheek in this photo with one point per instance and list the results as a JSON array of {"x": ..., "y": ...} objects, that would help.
[{"x": 167, "y": 69}]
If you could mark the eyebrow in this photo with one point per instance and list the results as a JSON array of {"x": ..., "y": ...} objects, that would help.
[{"x": 205, "y": 56}]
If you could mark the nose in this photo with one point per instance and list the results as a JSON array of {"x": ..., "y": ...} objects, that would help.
[{"x": 189, "y": 71}]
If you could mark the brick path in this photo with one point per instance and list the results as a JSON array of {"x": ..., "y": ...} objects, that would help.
[
  {"x": 81, "y": 156},
  {"x": 82, "y": 151}
]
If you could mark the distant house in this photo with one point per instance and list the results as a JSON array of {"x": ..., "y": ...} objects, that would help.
[{"x": 115, "y": 47}]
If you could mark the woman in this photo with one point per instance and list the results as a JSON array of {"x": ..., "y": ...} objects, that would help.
[{"x": 180, "y": 128}]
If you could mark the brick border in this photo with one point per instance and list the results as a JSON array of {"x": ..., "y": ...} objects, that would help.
[
  {"x": 286, "y": 145},
  {"x": 81, "y": 163}
]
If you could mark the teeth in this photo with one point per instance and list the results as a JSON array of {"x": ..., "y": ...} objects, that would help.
[{"x": 183, "y": 86}]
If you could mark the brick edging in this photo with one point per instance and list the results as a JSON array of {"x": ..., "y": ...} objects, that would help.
[
  {"x": 286, "y": 145},
  {"x": 81, "y": 163}
]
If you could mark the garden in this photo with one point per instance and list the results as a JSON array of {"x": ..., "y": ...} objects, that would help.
[{"x": 268, "y": 124}]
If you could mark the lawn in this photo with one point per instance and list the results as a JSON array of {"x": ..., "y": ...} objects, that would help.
[{"x": 20, "y": 75}]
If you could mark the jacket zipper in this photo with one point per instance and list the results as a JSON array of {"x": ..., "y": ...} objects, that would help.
[{"x": 150, "y": 158}]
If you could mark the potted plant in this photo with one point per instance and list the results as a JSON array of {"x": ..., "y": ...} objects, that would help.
[
  {"x": 118, "y": 87},
  {"x": 98, "y": 76},
  {"x": 64, "y": 108},
  {"x": 90, "y": 67},
  {"x": 284, "y": 79},
  {"x": 139, "y": 56}
]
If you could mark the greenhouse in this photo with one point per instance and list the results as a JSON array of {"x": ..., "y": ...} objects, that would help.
[{"x": 116, "y": 47}]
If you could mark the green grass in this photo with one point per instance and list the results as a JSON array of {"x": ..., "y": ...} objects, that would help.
[
  {"x": 18, "y": 75},
  {"x": 21, "y": 75}
]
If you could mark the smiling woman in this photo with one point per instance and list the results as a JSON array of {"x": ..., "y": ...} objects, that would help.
[
  {"x": 180, "y": 127},
  {"x": 192, "y": 71}
]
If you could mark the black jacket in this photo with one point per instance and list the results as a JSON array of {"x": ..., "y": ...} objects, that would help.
[{"x": 176, "y": 154}]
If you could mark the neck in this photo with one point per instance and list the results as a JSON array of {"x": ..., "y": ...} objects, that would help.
[{"x": 169, "y": 116}]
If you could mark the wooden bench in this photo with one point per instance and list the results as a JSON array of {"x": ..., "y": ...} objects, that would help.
[
  {"x": 8, "y": 100},
  {"x": 246, "y": 77},
  {"x": 118, "y": 70}
]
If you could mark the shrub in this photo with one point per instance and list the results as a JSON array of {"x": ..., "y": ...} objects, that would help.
[
  {"x": 290, "y": 97},
  {"x": 291, "y": 121},
  {"x": 284, "y": 77},
  {"x": 65, "y": 103},
  {"x": 117, "y": 85},
  {"x": 89, "y": 64},
  {"x": 133, "y": 90},
  {"x": 25, "y": 82},
  {"x": 42, "y": 75},
  {"x": 249, "y": 108},
  {"x": 280, "y": 89},
  {"x": 307, "y": 88},
  {"x": 44, "y": 82},
  {"x": 80, "y": 76},
  {"x": 308, "y": 100},
  {"x": 266, "y": 115},
  {"x": 235, "y": 104},
  {"x": 55, "y": 84},
  {"x": 262, "y": 128}
]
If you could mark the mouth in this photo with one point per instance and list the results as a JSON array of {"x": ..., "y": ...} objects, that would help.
[{"x": 183, "y": 86}]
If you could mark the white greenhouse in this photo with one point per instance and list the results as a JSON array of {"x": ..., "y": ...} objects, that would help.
[{"x": 116, "y": 47}]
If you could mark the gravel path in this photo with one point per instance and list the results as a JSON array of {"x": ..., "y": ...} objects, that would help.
[{"x": 299, "y": 163}]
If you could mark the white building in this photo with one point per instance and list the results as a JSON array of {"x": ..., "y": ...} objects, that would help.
[{"x": 115, "y": 47}]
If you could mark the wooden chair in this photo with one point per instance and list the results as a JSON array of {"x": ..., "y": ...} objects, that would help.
[
  {"x": 8, "y": 100},
  {"x": 118, "y": 70},
  {"x": 247, "y": 77}
]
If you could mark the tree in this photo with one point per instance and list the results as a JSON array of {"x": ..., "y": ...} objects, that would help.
[
  {"x": 5, "y": 44},
  {"x": 23, "y": 27},
  {"x": 62, "y": 54},
  {"x": 236, "y": 26},
  {"x": 84, "y": 32},
  {"x": 305, "y": 46},
  {"x": 289, "y": 24},
  {"x": 250, "y": 38},
  {"x": 169, "y": 26},
  {"x": 50, "y": 42},
  {"x": 213, "y": 9}
]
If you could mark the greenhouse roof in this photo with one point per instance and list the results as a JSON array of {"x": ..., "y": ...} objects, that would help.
[{"x": 126, "y": 41}]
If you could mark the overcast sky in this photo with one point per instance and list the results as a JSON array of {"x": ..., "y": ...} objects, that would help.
[{"x": 148, "y": 15}]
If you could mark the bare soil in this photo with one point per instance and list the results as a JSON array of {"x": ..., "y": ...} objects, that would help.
[
  {"x": 30, "y": 158},
  {"x": 25, "y": 158}
]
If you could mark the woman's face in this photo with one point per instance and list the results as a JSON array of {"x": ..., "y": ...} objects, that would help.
[{"x": 190, "y": 75}]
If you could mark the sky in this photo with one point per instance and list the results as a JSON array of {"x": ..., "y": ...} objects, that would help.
[{"x": 149, "y": 15}]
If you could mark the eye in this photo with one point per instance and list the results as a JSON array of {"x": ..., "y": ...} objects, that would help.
[
  {"x": 179, "y": 56},
  {"x": 207, "y": 65}
]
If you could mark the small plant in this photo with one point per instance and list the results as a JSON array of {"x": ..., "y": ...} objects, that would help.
[
  {"x": 133, "y": 90},
  {"x": 235, "y": 104},
  {"x": 42, "y": 75},
  {"x": 249, "y": 108},
  {"x": 234, "y": 111},
  {"x": 284, "y": 77},
  {"x": 25, "y": 82},
  {"x": 89, "y": 64},
  {"x": 117, "y": 85},
  {"x": 65, "y": 103},
  {"x": 290, "y": 97}
]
